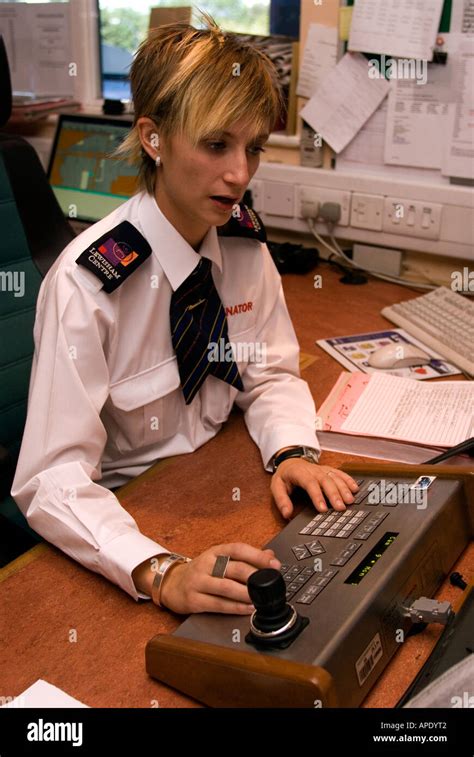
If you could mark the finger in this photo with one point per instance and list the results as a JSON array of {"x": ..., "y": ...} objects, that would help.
[
  {"x": 313, "y": 489},
  {"x": 280, "y": 495},
  {"x": 343, "y": 487},
  {"x": 352, "y": 484},
  {"x": 331, "y": 489},
  {"x": 209, "y": 603},
  {"x": 225, "y": 588},
  {"x": 348, "y": 482},
  {"x": 248, "y": 554},
  {"x": 317, "y": 484},
  {"x": 239, "y": 571}
]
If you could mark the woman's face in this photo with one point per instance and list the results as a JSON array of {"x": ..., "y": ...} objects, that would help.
[{"x": 189, "y": 177}]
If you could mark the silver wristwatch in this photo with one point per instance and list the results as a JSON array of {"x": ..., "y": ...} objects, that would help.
[{"x": 306, "y": 453}]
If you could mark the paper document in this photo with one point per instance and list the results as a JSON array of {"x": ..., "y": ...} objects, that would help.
[
  {"x": 319, "y": 57},
  {"x": 37, "y": 41},
  {"x": 344, "y": 101},
  {"x": 437, "y": 415},
  {"x": 52, "y": 48},
  {"x": 43, "y": 694},
  {"x": 462, "y": 16},
  {"x": 417, "y": 118},
  {"x": 458, "y": 158},
  {"x": 365, "y": 153},
  {"x": 17, "y": 36},
  {"x": 401, "y": 28}
]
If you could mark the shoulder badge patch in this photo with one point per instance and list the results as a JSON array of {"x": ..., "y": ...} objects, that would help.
[
  {"x": 244, "y": 222},
  {"x": 115, "y": 255}
]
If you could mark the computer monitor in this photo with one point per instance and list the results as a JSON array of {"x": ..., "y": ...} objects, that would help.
[{"x": 87, "y": 181}]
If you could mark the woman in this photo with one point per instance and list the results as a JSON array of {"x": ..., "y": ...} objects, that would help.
[{"x": 140, "y": 324}]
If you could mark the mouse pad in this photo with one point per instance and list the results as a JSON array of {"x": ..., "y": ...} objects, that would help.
[{"x": 353, "y": 353}]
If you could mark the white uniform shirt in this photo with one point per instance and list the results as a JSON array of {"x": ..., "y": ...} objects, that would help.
[{"x": 105, "y": 400}]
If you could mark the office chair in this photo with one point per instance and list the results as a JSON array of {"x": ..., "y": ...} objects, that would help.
[{"x": 33, "y": 233}]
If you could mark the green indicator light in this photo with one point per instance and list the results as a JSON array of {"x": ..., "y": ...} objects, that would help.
[{"x": 371, "y": 559}]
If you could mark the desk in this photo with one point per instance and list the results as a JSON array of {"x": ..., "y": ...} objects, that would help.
[{"x": 73, "y": 628}]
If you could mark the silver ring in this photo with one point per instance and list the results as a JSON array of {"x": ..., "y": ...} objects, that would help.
[
  {"x": 220, "y": 566},
  {"x": 270, "y": 634}
]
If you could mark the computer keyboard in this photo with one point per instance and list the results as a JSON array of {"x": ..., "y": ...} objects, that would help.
[{"x": 441, "y": 319}]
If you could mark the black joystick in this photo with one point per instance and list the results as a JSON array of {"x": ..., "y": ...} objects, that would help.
[{"x": 274, "y": 623}]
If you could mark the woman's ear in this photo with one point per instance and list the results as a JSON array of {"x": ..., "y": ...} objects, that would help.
[{"x": 149, "y": 137}]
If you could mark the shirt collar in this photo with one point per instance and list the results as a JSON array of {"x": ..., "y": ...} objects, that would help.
[{"x": 175, "y": 255}]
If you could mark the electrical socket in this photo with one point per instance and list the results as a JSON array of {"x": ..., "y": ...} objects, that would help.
[
  {"x": 310, "y": 209},
  {"x": 319, "y": 195},
  {"x": 367, "y": 211}
]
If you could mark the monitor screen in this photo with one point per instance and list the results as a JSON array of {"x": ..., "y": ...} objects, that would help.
[{"x": 87, "y": 181}]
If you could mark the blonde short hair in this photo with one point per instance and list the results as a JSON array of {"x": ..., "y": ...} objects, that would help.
[{"x": 198, "y": 83}]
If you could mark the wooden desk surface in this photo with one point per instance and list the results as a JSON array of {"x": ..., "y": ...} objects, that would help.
[{"x": 65, "y": 624}]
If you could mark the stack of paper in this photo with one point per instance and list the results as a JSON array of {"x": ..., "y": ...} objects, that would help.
[{"x": 395, "y": 418}]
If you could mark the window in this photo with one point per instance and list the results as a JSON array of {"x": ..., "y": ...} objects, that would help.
[{"x": 123, "y": 26}]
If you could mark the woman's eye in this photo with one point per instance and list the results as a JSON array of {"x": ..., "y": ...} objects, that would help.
[{"x": 217, "y": 146}]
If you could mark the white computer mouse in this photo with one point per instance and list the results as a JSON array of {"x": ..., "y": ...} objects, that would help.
[{"x": 398, "y": 355}]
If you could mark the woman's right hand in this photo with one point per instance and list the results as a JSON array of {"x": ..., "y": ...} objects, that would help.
[{"x": 190, "y": 587}]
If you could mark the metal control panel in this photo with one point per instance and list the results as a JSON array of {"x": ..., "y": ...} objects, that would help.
[{"x": 352, "y": 572}]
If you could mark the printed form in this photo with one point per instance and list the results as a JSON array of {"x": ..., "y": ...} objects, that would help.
[
  {"x": 458, "y": 158},
  {"x": 417, "y": 119},
  {"x": 400, "y": 28},
  {"x": 462, "y": 16},
  {"x": 367, "y": 150}
]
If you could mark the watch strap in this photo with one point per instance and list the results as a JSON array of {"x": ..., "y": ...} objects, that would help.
[{"x": 308, "y": 453}]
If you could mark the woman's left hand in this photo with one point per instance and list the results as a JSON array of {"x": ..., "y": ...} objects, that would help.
[{"x": 338, "y": 486}]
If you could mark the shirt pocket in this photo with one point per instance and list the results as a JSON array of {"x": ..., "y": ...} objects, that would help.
[
  {"x": 245, "y": 347},
  {"x": 146, "y": 407}
]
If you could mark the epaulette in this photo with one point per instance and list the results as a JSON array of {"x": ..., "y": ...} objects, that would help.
[
  {"x": 244, "y": 222},
  {"x": 115, "y": 255}
]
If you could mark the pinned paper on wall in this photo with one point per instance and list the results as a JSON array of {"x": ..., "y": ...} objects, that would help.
[
  {"x": 319, "y": 57},
  {"x": 458, "y": 158},
  {"x": 462, "y": 16},
  {"x": 417, "y": 114},
  {"x": 365, "y": 153},
  {"x": 344, "y": 101},
  {"x": 400, "y": 28}
]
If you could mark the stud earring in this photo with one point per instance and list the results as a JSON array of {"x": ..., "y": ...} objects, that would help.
[{"x": 155, "y": 142}]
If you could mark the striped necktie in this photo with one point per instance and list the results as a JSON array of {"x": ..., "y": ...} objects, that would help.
[{"x": 198, "y": 319}]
